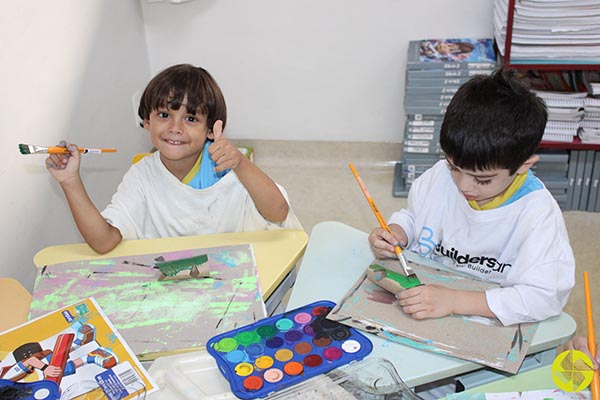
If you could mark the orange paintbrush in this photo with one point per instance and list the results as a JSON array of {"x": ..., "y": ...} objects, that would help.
[
  {"x": 33, "y": 149},
  {"x": 408, "y": 271}
]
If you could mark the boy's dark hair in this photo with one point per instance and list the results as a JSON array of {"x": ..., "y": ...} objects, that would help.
[
  {"x": 170, "y": 86},
  {"x": 493, "y": 122}
]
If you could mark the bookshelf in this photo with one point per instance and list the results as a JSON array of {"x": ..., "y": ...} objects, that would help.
[
  {"x": 574, "y": 179},
  {"x": 576, "y": 144}
]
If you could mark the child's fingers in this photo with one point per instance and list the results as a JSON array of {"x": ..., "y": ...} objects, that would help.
[
  {"x": 218, "y": 130},
  {"x": 380, "y": 245},
  {"x": 50, "y": 163},
  {"x": 56, "y": 161}
]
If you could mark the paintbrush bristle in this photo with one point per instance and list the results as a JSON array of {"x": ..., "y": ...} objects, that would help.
[{"x": 24, "y": 148}]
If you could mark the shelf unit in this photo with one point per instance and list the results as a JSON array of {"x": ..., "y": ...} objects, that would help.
[
  {"x": 576, "y": 144},
  {"x": 540, "y": 67}
]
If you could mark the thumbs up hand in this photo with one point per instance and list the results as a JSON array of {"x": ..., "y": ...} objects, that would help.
[{"x": 224, "y": 153}]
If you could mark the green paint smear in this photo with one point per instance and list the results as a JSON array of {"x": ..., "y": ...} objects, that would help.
[
  {"x": 171, "y": 268},
  {"x": 406, "y": 282}
]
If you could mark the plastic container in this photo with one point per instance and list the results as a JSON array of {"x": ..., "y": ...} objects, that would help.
[
  {"x": 285, "y": 349},
  {"x": 195, "y": 376}
]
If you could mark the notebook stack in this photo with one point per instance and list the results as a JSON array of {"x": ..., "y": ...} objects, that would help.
[
  {"x": 589, "y": 127},
  {"x": 550, "y": 32},
  {"x": 436, "y": 68},
  {"x": 565, "y": 111}
]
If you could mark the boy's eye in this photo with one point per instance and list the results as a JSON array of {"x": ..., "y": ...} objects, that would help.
[
  {"x": 191, "y": 118},
  {"x": 483, "y": 181},
  {"x": 162, "y": 114}
]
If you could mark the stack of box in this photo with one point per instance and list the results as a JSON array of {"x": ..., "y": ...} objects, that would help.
[{"x": 436, "y": 68}]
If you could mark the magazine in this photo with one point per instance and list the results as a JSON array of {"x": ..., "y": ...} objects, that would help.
[{"x": 73, "y": 352}]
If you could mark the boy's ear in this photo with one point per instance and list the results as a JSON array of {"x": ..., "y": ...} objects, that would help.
[
  {"x": 146, "y": 124},
  {"x": 528, "y": 164}
]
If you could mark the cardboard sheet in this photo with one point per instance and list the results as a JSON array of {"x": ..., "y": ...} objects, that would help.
[{"x": 372, "y": 309}]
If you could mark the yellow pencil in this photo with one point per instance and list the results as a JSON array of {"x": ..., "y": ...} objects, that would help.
[
  {"x": 595, "y": 386},
  {"x": 397, "y": 249}
]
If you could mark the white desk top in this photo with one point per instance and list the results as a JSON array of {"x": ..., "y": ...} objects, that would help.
[{"x": 337, "y": 255}]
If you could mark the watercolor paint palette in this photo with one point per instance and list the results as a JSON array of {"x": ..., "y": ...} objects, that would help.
[{"x": 285, "y": 349}]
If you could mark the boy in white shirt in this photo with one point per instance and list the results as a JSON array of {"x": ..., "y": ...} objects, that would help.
[
  {"x": 482, "y": 212},
  {"x": 197, "y": 182}
]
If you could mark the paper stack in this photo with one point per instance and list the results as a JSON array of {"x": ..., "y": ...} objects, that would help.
[
  {"x": 550, "y": 31},
  {"x": 589, "y": 127},
  {"x": 565, "y": 111}
]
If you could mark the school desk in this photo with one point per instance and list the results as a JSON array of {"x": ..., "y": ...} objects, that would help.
[
  {"x": 337, "y": 255},
  {"x": 535, "y": 379},
  {"x": 276, "y": 252}
]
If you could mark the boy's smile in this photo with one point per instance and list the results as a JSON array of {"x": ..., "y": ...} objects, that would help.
[{"x": 179, "y": 137}]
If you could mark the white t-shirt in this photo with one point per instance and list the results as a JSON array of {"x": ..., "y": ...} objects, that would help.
[
  {"x": 523, "y": 246},
  {"x": 151, "y": 202}
]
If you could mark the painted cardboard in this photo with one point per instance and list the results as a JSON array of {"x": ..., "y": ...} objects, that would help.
[
  {"x": 157, "y": 317},
  {"x": 486, "y": 341}
]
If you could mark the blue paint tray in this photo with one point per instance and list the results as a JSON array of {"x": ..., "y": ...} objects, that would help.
[{"x": 285, "y": 349}]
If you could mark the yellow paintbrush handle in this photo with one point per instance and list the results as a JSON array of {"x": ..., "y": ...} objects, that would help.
[{"x": 595, "y": 385}]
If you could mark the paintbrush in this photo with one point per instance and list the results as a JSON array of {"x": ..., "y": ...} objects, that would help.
[
  {"x": 595, "y": 386},
  {"x": 408, "y": 271},
  {"x": 33, "y": 149}
]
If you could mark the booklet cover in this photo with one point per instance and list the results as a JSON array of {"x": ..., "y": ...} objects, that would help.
[
  {"x": 73, "y": 351},
  {"x": 464, "y": 53}
]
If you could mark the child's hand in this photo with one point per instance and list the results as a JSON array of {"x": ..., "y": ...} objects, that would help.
[
  {"x": 383, "y": 243},
  {"x": 64, "y": 167},
  {"x": 222, "y": 151},
  {"x": 581, "y": 343},
  {"x": 427, "y": 301}
]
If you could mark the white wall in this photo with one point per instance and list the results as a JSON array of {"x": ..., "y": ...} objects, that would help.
[
  {"x": 310, "y": 69},
  {"x": 69, "y": 69},
  {"x": 299, "y": 70}
]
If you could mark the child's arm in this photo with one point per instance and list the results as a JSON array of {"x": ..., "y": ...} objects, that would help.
[
  {"x": 264, "y": 192},
  {"x": 433, "y": 301},
  {"x": 383, "y": 243},
  {"x": 99, "y": 234}
]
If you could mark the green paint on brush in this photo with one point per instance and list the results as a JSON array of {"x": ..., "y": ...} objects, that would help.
[{"x": 405, "y": 281}]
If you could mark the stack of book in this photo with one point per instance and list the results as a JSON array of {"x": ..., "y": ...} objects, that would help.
[
  {"x": 436, "y": 68},
  {"x": 565, "y": 111},
  {"x": 550, "y": 32},
  {"x": 589, "y": 127}
]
